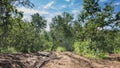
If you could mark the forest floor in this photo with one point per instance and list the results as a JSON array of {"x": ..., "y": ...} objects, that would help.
[{"x": 56, "y": 60}]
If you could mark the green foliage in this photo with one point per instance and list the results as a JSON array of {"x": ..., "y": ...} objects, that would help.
[
  {"x": 60, "y": 49},
  {"x": 61, "y": 31},
  {"x": 8, "y": 10},
  {"x": 87, "y": 35},
  {"x": 90, "y": 26},
  {"x": 83, "y": 48},
  {"x": 38, "y": 21},
  {"x": 8, "y": 50}
]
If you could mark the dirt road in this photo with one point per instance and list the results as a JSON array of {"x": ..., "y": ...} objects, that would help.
[{"x": 56, "y": 60}]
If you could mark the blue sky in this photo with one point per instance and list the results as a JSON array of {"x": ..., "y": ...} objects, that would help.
[
  {"x": 56, "y": 7},
  {"x": 51, "y": 8}
]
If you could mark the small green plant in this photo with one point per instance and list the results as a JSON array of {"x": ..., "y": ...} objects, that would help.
[
  {"x": 8, "y": 50},
  {"x": 60, "y": 49}
]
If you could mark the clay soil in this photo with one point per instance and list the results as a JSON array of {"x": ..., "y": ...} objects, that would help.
[{"x": 56, "y": 60}]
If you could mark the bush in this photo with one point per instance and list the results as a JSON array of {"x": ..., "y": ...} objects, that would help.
[
  {"x": 60, "y": 49},
  {"x": 83, "y": 48},
  {"x": 8, "y": 50}
]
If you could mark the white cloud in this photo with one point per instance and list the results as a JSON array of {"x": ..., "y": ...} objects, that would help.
[
  {"x": 52, "y": 15},
  {"x": 67, "y": 0},
  {"x": 49, "y": 19},
  {"x": 48, "y": 5},
  {"x": 116, "y": 4},
  {"x": 72, "y": 3},
  {"x": 63, "y": 6},
  {"x": 32, "y": 11},
  {"x": 103, "y": 0},
  {"x": 26, "y": 17},
  {"x": 75, "y": 12}
]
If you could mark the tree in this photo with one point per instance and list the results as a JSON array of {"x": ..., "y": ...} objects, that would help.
[
  {"x": 61, "y": 31},
  {"x": 8, "y": 9},
  {"x": 9, "y": 16},
  {"x": 93, "y": 21},
  {"x": 38, "y": 24}
]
